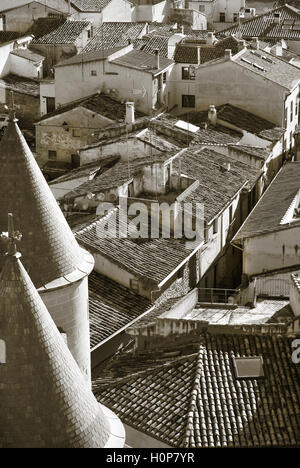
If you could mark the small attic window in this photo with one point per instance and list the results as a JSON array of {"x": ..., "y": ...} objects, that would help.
[
  {"x": 248, "y": 367},
  {"x": 2, "y": 352}
]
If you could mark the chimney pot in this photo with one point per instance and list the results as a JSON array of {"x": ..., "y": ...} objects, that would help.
[
  {"x": 228, "y": 54},
  {"x": 210, "y": 38},
  {"x": 182, "y": 29},
  {"x": 156, "y": 53},
  {"x": 129, "y": 117},
  {"x": 212, "y": 114}
]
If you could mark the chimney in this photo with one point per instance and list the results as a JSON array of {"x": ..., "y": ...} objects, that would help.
[
  {"x": 210, "y": 38},
  {"x": 182, "y": 29},
  {"x": 129, "y": 117},
  {"x": 212, "y": 115},
  {"x": 241, "y": 45},
  {"x": 198, "y": 55},
  {"x": 156, "y": 53},
  {"x": 228, "y": 54},
  {"x": 147, "y": 29},
  {"x": 255, "y": 43}
]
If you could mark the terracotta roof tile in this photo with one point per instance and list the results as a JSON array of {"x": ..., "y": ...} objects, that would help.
[
  {"x": 117, "y": 34},
  {"x": 140, "y": 60},
  {"x": 20, "y": 84},
  {"x": 265, "y": 26},
  {"x": 90, "y": 5},
  {"x": 67, "y": 33},
  {"x": 217, "y": 409},
  {"x": 273, "y": 205},
  {"x": 111, "y": 307}
]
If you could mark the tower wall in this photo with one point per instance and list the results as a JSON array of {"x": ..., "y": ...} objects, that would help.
[{"x": 68, "y": 306}]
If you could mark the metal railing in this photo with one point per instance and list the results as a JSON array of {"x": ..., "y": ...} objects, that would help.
[{"x": 218, "y": 295}]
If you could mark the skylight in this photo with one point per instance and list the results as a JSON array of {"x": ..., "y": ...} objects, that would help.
[
  {"x": 248, "y": 367},
  {"x": 187, "y": 126}
]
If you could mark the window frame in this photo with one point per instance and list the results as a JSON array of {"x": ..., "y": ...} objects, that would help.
[{"x": 52, "y": 155}]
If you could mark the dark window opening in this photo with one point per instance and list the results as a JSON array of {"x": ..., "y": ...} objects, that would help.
[
  {"x": 188, "y": 100},
  {"x": 222, "y": 17},
  {"x": 52, "y": 154}
]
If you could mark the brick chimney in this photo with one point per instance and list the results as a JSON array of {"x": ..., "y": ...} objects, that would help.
[
  {"x": 156, "y": 53},
  {"x": 129, "y": 117},
  {"x": 212, "y": 115}
]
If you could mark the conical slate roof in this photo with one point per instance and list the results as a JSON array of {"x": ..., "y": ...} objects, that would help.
[
  {"x": 44, "y": 399},
  {"x": 48, "y": 245}
]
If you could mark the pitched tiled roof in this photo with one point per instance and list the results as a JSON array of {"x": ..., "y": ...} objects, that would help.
[
  {"x": 87, "y": 57},
  {"x": 20, "y": 84},
  {"x": 98, "y": 103},
  {"x": 90, "y": 5},
  {"x": 196, "y": 401},
  {"x": 43, "y": 26},
  {"x": 269, "y": 67},
  {"x": 45, "y": 399},
  {"x": 240, "y": 118},
  {"x": 207, "y": 134},
  {"x": 111, "y": 35},
  {"x": 273, "y": 205},
  {"x": 6, "y": 36},
  {"x": 265, "y": 26},
  {"x": 217, "y": 186},
  {"x": 28, "y": 55},
  {"x": 111, "y": 307},
  {"x": 120, "y": 173},
  {"x": 67, "y": 33},
  {"x": 50, "y": 250},
  {"x": 157, "y": 42},
  {"x": 140, "y": 60},
  {"x": 153, "y": 259}
]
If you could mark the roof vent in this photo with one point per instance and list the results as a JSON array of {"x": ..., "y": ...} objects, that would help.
[{"x": 212, "y": 114}]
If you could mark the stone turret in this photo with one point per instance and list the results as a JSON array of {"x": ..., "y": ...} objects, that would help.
[
  {"x": 59, "y": 268},
  {"x": 45, "y": 401}
]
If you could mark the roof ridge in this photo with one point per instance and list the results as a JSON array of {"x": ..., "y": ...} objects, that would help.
[
  {"x": 127, "y": 378},
  {"x": 194, "y": 394}
]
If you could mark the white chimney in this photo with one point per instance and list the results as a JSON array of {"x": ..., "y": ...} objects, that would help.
[
  {"x": 210, "y": 38},
  {"x": 129, "y": 117},
  {"x": 255, "y": 43},
  {"x": 228, "y": 54},
  {"x": 199, "y": 55},
  {"x": 241, "y": 45},
  {"x": 156, "y": 53},
  {"x": 212, "y": 114},
  {"x": 182, "y": 29}
]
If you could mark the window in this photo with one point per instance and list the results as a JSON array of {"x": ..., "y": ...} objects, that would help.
[
  {"x": 165, "y": 77},
  {"x": 230, "y": 214},
  {"x": 235, "y": 17},
  {"x": 75, "y": 160},
  {"x": 76, "y": 132},
  {"x": 291, "y": 111},
  {"x": 50, "y": 104},
  {"x": 215, "y": 226},
  {"x": 2, "y": 352},
  {"x": 248, "y": 367},
  {"x": 285, "y": 117},
  {"x": 94, "y": 73},
  {"x": 222, "y": 17},
  {"x": 202, "y": 8},
  {"x": 291, "y": 139},
  {"x": 188, "y": 100},
  {"x": 188, "y": 73},
  {"x": 52, "y": 154}
]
